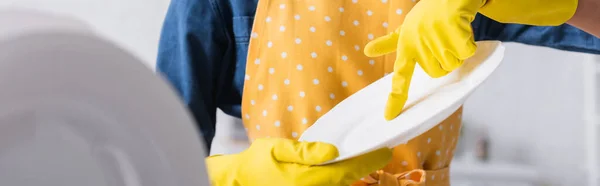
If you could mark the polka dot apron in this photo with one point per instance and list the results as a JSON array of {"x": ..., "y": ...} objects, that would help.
[{"x": 305, "y": 56}]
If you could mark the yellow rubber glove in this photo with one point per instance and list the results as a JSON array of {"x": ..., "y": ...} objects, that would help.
[
  {"x": 437, "y": 34},
  {"x": 282, "y": 162}
]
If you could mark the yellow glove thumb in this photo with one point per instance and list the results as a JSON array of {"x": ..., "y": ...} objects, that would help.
[
  {"x": 290, "y": 151},
  {"x": 382, "y": 45}
]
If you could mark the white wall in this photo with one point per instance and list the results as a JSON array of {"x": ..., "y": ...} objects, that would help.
[{"x": 532, "y": 105}]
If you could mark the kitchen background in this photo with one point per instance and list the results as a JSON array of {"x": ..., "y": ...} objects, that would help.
[{"x": 534, "y": 122}]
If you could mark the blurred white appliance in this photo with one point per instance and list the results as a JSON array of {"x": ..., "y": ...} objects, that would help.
[{"x": 78, "y": 110}]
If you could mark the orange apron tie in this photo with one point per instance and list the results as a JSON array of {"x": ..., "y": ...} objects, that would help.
[{"x": 416, "y": 177}]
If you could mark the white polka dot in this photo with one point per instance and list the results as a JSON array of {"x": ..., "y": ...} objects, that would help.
[
  {"x": 268, "y": 19},
  {"x": 252, "y": 102},
  {"x": 344, "y": 58},
  {"x": 313, "y": 29},
  {"x": 404, "y": 163},
  {"x": 371, "y": 36},
  {"x": 318, "y": 108},
  {"x": 428, "y": 140},
  {"x": 294, "y": 134},
  {"x": 359, "y": 72},
  {"x": 354, "y": 1},
  {"x": 302, "y": 94},
  {"x": 329, "y": 69},
  {"x": 344, "y": 84},
  {"x": 281, "y": 28},
  {"x": 385, "y": 24},
  {"x": 257, "y": 61},
  {"x": 372, "y": 62},
  {"x": 342, "y": 33},
  {"x": 290, "y": 108},
  {"x": 247, "y": 116},
  {"x": 332, "y": 96},
  {"x": 369, "y": 12},
  {"x": 355, "y": 22},
  {"x": 298, "y": 40},
  {"x": 269, "y": 44},
  {"x": 271, "y": 70},
  {"x": 264, "y": 113},
  {"x": 441, "y": 127},
  {"x": 327, "y": 18},
  {"x": 282, "y": 6},
  {"x": 329, "y": 43},
  {"x": 297, "y": 17},
  {"x": 274, "y": 97},
  {"x": 299, "y": 67},
  {"x": 260, "y": 87},
  {"x": 398, "y": 11},
  {"x": 247, "y": 77},
  {"x": 284, "y": 55},
  {"x": 418, "y": 154},
  {"x": 356, "y": 47},
  {"x": 384, "y": 1},
  {"x": 311, "y": 8},
  {"x": 313, "y": 54},
  {"x": 257, "y": 127},
  {"x": 432, "y": 177},
  {"x": 437, "y": 152},
  {"x": 286, "y": 81},
  {"x": 341, "y": 9},
  {"x": 316, "y": 81},
  {"x": 304, "y": 121},
  {"x": 254, "y": 35},
  {"x": 277, "y": 123}
]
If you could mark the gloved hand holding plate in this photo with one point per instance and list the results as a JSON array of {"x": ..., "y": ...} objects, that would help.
[{"x": 357, "y": 126}]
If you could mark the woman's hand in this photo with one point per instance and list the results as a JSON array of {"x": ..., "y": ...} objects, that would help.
[
  {"x": 273, "y": 161},
  {"x": 437, "y": 34}
]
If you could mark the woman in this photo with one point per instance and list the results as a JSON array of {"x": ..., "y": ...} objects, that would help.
[{"x": 306, "y": 56}]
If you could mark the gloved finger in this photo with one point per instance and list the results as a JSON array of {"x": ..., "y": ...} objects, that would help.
[
  {"x": 429, "y": 63},
  {"x": 351, "y": 170},
  {"x": 402, "y": 75},
  {"x": 450, "y": 53},
  {"x": 382, "y": 45},
  {"x": 306, "y": 153},
  {"x": 448, "y": 61},
  {"x": 218, "y": 164}
]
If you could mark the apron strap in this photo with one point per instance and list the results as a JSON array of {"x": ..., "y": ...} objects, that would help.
[{"x": 417, "y": 177}]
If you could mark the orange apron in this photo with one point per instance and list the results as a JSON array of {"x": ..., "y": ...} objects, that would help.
[{"x": 305, "y": 56}]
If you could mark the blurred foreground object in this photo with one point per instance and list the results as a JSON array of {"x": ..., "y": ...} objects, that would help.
[{"x": 77, "y": 110}]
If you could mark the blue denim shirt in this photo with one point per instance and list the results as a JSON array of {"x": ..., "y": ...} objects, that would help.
[{"x": 204, "y": 44}]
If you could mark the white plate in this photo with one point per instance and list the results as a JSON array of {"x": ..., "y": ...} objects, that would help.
[
  {"x": 79, "y": 111},
  {"x": 357, "y": 126}
]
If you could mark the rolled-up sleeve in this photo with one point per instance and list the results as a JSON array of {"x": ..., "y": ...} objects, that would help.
[
  {"x": 193, "y": 56},
  {"x": 563, "y": 37}
]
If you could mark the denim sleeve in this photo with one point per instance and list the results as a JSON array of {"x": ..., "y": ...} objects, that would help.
[
  {"x": 563, "y": 37},
  {"x": 194, "y": 56}
]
